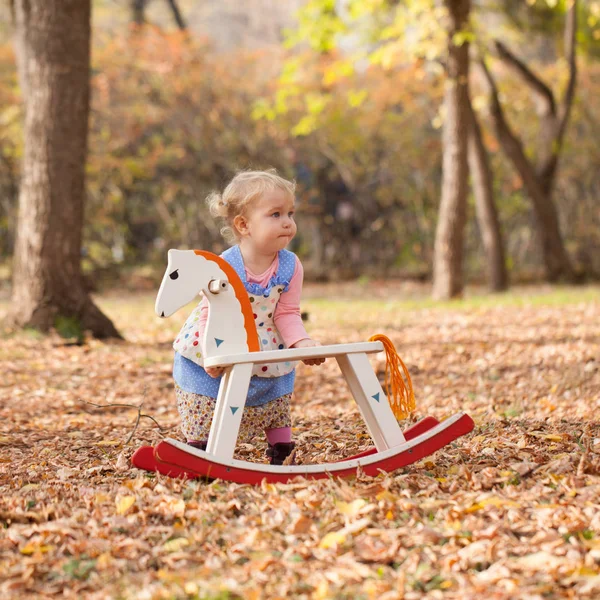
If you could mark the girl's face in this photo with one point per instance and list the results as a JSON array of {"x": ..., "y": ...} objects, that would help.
[{"x": 269, "y": 224}]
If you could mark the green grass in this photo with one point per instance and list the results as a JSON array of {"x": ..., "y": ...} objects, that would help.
[
  {"x": 397, "y": 310},
  {"x": 520, "y": 296},
  {"x": 324, "y": 306}
]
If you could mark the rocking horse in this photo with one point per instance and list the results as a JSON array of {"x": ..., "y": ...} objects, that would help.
[{"x": 231, "y": 342}]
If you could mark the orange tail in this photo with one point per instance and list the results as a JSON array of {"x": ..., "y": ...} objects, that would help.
[{"x": 399, "y": 392}]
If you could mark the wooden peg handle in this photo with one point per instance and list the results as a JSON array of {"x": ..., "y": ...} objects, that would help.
[{"x": 216, "y": 286}]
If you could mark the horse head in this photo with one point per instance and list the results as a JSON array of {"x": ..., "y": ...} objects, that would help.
[
  {"x": 230, "y": 317},
  {"x": 188, "y": 273}
]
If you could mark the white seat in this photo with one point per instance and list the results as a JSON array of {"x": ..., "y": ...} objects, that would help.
[{"x": 275, "y": 356}]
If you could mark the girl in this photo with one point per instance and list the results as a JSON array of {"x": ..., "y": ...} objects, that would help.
[{"x": 258, "y": 210}]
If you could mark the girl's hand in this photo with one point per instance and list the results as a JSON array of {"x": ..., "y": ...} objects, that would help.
[
  {"x": 215, "y": 371},
  {"x": 308, "y": 343}
]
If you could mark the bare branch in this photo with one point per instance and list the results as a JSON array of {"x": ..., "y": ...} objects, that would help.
[
  {"x": 140, "y": 415},
  {"x": 177, "y": 15},
  {"x": 510, "y": 142},
  {"x": 109, "y": 405},
  {"x": 570, "y": 54},
  {"x": 137, "y": 422},
  {"x": 541, "y": 90},
  {"x": 497, "y": 112},
  {"x": 549, "y": 163},
  {"x": 343, "y": 170},
  {"x": 144, "y": 416},
  {"x": 586, "y": 438}
]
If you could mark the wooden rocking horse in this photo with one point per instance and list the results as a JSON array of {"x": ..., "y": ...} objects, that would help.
[{"x": 231, "y": 341}]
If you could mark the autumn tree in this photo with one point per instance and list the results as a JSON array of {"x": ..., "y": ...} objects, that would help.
[
  {"x": 539, "y": 174},
  {"x": 53, "y": 49},
  {"x": 439, "y": 33}
]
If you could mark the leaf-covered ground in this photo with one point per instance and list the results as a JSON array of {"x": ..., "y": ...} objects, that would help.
[{"x": 511, "y": 510}]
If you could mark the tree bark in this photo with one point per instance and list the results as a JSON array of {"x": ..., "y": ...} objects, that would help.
[
  {"x": 138, "y": 15},
  {"x": 53, "y": 43},
  {"x": 539, "y": 179},
  {"x": 449, "y": 237},
  {"x": 485, "y": 207}
]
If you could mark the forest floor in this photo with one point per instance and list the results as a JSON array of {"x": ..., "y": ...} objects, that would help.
[{"x": 511, "y": 510}]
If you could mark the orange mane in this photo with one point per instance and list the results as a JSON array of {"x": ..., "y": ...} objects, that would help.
[{"x": 241, "y": 295}]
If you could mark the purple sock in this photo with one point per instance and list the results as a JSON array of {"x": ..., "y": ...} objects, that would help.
[{"x": 281, "y": 434}]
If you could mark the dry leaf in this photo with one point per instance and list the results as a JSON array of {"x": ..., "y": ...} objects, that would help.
[
  {"x": 301, "y": 525},
  {"x": 124, "y": 503},
  {"x": 350, "y": 509},
  {"x": 176, "y": 544},
  {"x": 33, "y": 548},
  {"x": 335, "y": 538}
]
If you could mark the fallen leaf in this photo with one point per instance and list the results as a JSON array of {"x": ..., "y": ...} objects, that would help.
[
  {"x": 491, "y": 501},
  {"x": 124, "y": 503},
  {"x": 350, "y": 509},
  {"x": 176, "y": 544},
  {"x": 301, "y": 525},
  {"x": 33, "y": 548},
  {"x": 541, "y": 561},
  {"x": 335, "y": 538}
]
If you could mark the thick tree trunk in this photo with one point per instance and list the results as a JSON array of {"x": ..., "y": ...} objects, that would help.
[
  {"x": 449, "y": 237},
  {"x": 556, "y": 259},
  {"x": 53, "y": 43},
  {"x": 485, "y": 208}
]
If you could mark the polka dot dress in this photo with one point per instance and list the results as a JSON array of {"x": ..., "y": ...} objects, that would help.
[{"x": 197, "y": 413}]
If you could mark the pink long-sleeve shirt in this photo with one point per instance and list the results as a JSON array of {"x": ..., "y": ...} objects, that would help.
[{"x": 287, "y": 312}]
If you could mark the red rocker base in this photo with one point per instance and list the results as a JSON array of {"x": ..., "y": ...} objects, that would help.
[{"x": 176, "y": 459}]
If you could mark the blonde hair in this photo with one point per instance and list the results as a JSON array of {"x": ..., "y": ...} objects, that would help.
[{"x": 243, "y": 190}]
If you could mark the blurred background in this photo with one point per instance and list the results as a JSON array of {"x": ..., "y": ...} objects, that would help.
[{"x": 346, "y": 98}]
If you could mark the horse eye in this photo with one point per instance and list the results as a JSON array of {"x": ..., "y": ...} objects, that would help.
[{"x": 174, "y": 274}]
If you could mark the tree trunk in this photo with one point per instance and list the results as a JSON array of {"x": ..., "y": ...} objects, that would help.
[
  {"x": 556, "y": 260},
  {"x": 485, "y": 208},
  {"x": 138, "y": 11},
  {"x": 449, "y": 237},
  {"x": 53, "y": 43}
]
